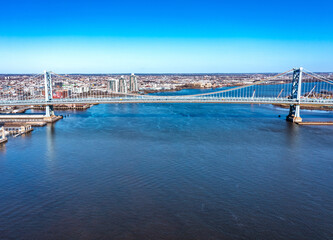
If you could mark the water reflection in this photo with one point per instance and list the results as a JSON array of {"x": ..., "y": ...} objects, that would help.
[
  {"x": 3, "y": 147},
  {"x": 50, "y": 141},
  {"x": 292, "y": 134}
]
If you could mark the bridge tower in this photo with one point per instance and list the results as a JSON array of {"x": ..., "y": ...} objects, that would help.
[
  {"x": 48, "y": 94},
  {"x": 296, "y": 89}
]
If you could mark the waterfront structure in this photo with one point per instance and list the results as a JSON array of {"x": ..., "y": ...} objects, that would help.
[
  {"x": 133, "y": 83},
  {"x": 113, "y": 85},
  {"x": 122, "y": 85},
  {"x": 17, "y": 128},
  {"x": 316, "y": 90},
  {"x": 2, "y": 135}
]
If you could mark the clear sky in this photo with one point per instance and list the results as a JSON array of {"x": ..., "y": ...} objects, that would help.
[{"x": 165, "y": 36}]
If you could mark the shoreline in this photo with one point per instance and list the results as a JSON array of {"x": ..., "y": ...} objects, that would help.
[{"x": 306, "y": 107}]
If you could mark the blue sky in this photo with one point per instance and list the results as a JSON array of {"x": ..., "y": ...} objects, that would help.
[{"x": 165, "y": 36}]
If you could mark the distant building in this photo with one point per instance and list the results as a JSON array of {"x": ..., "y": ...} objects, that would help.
[
  {"x": 58, "y": 84},
  {"x": 133, "y": 83},
  {"x": 113, "y": 85},
  {"x": 61, "y": 94},
  {"x": 122, "y": 85},
  {"x": 79, "y": 89}
]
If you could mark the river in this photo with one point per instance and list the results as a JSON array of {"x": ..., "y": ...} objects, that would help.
[{"x": 170, "y": 171}]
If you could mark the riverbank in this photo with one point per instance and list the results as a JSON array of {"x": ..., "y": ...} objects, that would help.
[
  {"x": 307, "y": 107},
  {"x": 315, "y": 123}
]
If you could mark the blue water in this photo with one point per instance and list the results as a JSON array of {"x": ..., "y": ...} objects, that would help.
[
  {"x": 276, "y": 90},
  {"x": 170, "y": 171}
]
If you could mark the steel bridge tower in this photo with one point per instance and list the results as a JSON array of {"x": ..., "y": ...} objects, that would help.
[
  {"x": 296, "y": 89},
  {"x": 48, "y": 94}
]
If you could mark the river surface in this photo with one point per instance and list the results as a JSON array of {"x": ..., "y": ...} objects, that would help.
[{"x": 170, "y": 171}]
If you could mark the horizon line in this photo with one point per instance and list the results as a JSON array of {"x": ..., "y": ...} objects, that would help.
[{"x": 161, "y": 73}]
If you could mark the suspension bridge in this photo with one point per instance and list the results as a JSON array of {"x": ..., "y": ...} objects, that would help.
[{"x": 295, "y": 87}]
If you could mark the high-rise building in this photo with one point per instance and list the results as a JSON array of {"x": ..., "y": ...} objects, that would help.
[
  {"x": 113, "y": 85},
  {"x": 122, "y": 85},
  {"x": 133, "y": 87}
]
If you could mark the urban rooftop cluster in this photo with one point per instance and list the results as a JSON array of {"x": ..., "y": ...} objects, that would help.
[{"x": 32, "y": 86}]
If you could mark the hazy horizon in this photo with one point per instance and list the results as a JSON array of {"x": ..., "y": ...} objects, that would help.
[{"x": 180, "y": 73}]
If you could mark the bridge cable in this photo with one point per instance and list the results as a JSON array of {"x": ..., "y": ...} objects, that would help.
[
  {"x": 202, "y": 94},
  {"x": 318, "y": 78},
  {"x": 240, "y": 87}
]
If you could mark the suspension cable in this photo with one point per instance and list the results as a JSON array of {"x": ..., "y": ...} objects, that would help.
[
  {"x": 317, "y": 75},
  {"x": 202, "y": 94},
  {"x": 240, "y": 87},
  {"x": 318, "y": 78}
]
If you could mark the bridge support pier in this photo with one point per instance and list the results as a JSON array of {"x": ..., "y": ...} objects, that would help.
[
  {"x": 3, "y": 138},
  {"x": 294, "y": 114},
  {"x": 49, "y": 111},
  {"x": 2, "y": 133},
  {"x": 294, "y": 111}
]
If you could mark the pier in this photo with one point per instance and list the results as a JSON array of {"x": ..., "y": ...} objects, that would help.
[
  {"x": 17, "y": 129},
  {"x": 33, "y": 120},
  {"x": 17, "y": 125}
]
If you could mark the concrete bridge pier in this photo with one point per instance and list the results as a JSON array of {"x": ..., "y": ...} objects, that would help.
[
  {"x": 294, "y": 114},
  {"x": 49, "y": 111},
  {"x": 2, "y": 135}
]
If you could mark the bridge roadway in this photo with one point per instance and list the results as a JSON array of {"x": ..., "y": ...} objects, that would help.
[{"x": 169, "y": 99}]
